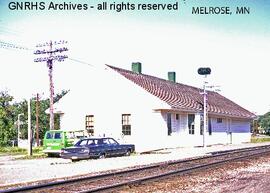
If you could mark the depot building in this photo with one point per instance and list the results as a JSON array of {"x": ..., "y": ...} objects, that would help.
[{"x": 150, "y": 112}]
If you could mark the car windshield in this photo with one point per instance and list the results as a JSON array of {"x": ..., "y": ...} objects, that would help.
[{"x": 112, "y": 141}]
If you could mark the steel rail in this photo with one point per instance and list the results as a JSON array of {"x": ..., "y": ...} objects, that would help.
[
  {"x": 168, "y": 174},
  {"x": 158, "y": 165}
]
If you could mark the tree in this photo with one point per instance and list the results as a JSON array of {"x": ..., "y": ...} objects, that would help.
[
  {"x": 7, "y": 129},
  {"x": 9, "y": 114},
  {"x": 43, "y": 117},
  {"x": 264, "y": 121}
]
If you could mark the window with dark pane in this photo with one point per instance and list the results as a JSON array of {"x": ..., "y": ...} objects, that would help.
[
  {"x": 201, "y": 125},
  {"x": 169, "y": 123},
  {"x": 191, "y": 126},
  {"x": 89, "y": 124},
  {"x": 219, "y": 120},
  {"x": 126, "y": 124},
  {"x": 209, "y": 126}
]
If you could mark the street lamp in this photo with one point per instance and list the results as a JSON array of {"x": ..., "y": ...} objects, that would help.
[
  {"x": 18, "y": 124},
  {"x": 204, "y": 72}
]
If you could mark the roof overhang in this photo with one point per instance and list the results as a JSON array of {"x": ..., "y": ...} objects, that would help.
[{"x": 200, "y": 111}]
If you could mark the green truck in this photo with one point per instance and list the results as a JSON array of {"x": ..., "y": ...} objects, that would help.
[{"x": 55, "y": 140}]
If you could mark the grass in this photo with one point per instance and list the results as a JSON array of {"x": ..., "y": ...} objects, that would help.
[
  {"x": 34, "y": 156},
  {"x": 37, "y": 152},
  {"x": 12, "y": 151},
  {"x": 255, "y": 139}
]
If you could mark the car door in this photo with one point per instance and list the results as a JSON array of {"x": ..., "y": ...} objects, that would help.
[
  {"x": 117, "y": 149},
  {"x": 110, "y": 150},
  {"x": 57, "y": 141}
]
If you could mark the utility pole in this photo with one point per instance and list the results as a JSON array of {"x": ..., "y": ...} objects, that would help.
[
  {"x": 29, "y": 128},
  {"x": 204, "y": 72},
  {"x": 52, "y": 55},
  {"x": 18, "y": 124},
  {"x": 204, "y": 111},
  {"x": 37, "y": 115}
]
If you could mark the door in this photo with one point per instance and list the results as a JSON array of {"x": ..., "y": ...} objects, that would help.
[
  {"x": 117, "y": 148},
  {"x": 109, "y": 149}
]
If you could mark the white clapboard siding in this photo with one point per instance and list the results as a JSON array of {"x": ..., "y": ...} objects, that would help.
[
  {"x": 240, "y": 126},
  {"x": 218, "y": 127}
]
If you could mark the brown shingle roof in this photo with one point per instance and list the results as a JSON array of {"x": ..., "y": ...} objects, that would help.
[{"x": 184, "y": 97}]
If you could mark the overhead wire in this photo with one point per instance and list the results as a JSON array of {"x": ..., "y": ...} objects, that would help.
[
  {"x": 12, "y": 46},
  {"x": 7, "y": 45},
  {"x": 79, "y": 61}
]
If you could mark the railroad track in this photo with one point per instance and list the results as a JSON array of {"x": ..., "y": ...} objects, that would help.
[{"x": 111, "y": 181}]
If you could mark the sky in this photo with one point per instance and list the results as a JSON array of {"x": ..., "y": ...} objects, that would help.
[{"x": 235, "y": 47}]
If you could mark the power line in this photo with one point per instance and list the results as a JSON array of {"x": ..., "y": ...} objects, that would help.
[
  {"x": 12, "y": 46},
  {"x": 82, "y": 62},
  {"x": 7, "y": 45}
]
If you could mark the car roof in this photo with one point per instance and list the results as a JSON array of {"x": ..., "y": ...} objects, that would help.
[{"x": 97, "y": 138}]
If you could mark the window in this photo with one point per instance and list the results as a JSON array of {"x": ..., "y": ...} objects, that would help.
[
  {"x": 177, "y": 116},
  {"x": 126, "y": 126},
  {"x": 210, "y": 126},
  {"x": 89, "y": 124},
  {"x": 169, "y": 123},
  {"x": 84, "y": 142},
  {"x": 106, "y": 141},
  {"x": 191, "y": 129},
  {"x": 92, "y": 142},
  {"x": 49, "y": 136},
  {"x": 57, "y": 136},
  {"x": 112, "y": 141},
  {"x": 201, "y": 125},
  {"x": 219, "y": 120}
]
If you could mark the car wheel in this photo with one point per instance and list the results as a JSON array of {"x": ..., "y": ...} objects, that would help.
[
  {"x": 50, "y": 155},
  {"x": 102, "y": 156},
  {"x": 127, "y": 152}
]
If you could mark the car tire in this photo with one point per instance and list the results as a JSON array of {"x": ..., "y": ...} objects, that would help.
[
  {"x": 102, "y": 156},
  {"x": 128, "y": 152},
  {"x": 50, "y": 155}
]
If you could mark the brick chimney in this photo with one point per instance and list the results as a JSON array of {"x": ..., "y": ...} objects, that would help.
[
  {"x": 172, "y": 76},
  {"x": 137, "y": 67}
]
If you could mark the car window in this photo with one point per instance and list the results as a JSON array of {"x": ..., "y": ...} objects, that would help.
[
  {"x": 100, "y": 142},
  {"x": 49, "y": 136},
  {"x": 83, "y": 142},
  {"x": 92, "y": 142},
  {"x": 112, "y": 141},
  {"x": 106, "y": 141},
  {"x": 57, "y": 135}
]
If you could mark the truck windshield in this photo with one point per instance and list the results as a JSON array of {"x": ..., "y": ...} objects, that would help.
[
  {"x": 49, "y": 136},
  {"x": 57, "y": 136}
]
